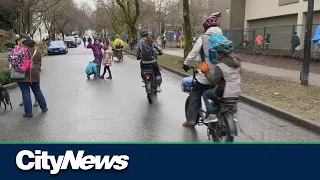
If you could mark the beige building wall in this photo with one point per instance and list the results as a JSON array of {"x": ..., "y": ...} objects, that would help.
[
  {"x": 266, "y": 13},
  {"x": 257, "y": 9},
  {"x": 221, "y": 6},
  {"x": 232, "y": 13},
  {"x": 237, "y": 13}
]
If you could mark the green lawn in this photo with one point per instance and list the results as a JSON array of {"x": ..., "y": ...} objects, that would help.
[{"x": 280, "y": 92}]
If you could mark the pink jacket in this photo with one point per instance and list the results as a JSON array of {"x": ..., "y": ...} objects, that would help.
[
  {"x": 107, "y": 55},
  {"x": 259, "y": 40}
]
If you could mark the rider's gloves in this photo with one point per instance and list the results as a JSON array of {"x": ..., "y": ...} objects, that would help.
[{"x": 185, "y": 67}]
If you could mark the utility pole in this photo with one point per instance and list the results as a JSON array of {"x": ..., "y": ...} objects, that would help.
[{"x": 304, "y": 76}]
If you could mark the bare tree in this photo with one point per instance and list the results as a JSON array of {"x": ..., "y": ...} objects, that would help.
[
  {"x": 68, "y": 12},
  {"x": 114, "y": 13}
]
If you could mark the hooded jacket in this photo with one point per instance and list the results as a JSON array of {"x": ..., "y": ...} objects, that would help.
[
  {"x": 226, "y": 76},
  {"x": 97, "y": 49},
  {"x": 35, "y": 72},
  {"x": 195, "y": 52}
]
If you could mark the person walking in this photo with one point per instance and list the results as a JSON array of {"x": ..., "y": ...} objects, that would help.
[
  {"x": 97, "y": 52},
  {"x": 259, "y": 41},
  {"x": 132, "y": 43},
  {"x": 32, "y": 80},
  {"x": 159, "y": 41},
  {"x": 268, "y": 41},
  {"x": 164, "y": 40},
  {"x": 84, "y": 41},
  {"x": 107, "y": 62},
  {"x": 295, "y": 42},
  {"x": 89, "y": 39},
  {"x": 245, "y": 42}
]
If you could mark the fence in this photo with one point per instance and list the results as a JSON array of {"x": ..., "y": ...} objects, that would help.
[{"x": 280, "y": 37}]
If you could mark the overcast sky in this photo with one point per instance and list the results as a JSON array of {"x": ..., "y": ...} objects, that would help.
[{"x": 90, "y": 2}]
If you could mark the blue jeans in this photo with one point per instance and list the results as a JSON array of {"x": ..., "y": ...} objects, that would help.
[
  {"x": 99, "y": 59},
  {"x": 25, "y": 89},
  {"x": 209, "y": 97}
]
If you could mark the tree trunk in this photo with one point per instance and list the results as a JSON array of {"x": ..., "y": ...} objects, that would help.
[
  {"x": 133, "y": 30},
  {"x": 187, "y": 28},
  {"x": 62, "y": 34}
]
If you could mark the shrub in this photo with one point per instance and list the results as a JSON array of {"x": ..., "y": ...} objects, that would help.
[
  {"x": 3, "y": 48},
  {"x": 5, "y": 76},
  {"x": 10, "y": 45}
]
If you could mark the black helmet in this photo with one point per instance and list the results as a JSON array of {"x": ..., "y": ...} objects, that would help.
[{"x": 144, "y": 33}]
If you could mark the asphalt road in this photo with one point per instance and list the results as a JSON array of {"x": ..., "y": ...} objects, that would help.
[{"x": 117, "y": 110}]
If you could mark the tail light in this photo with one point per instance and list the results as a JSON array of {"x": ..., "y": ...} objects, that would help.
[
  {"x": 147, "y": 76},
  {"x": 228, "y": 107}
]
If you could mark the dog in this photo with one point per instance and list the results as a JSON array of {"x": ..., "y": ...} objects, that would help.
[{"x": 5, "y": 98}]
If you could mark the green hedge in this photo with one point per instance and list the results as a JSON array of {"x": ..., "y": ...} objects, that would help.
[
  {"x": 5, "y": 76},
  {"x": 10, "y": 44}
]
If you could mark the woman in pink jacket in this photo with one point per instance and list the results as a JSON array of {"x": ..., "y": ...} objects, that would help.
[{"x": 259, "y": 40}]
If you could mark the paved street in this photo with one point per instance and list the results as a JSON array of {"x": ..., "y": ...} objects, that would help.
[{"x": 117, "y": 110}]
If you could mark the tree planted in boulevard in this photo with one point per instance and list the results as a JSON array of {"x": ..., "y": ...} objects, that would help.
[
  {"x": 187, "y": 28},
  {"x": 131, "y": 12}
]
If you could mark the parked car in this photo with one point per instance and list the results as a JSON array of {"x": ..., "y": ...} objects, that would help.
[
  {"x": 57, "y": 47},
  {"x": 71, "y": 41}
]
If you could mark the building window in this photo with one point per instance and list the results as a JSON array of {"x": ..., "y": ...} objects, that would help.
[{"x": 285, "y": 2}]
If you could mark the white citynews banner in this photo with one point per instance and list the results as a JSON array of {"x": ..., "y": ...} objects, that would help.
[{"x": 41, "y": 160}]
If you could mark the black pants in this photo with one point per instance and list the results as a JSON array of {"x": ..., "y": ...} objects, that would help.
[
  {"x": 155, "y": 67},
  {"x": 105, "y": 70},
  {"x": 163, "y": 44},
  {"x": 195, "y": 100}
]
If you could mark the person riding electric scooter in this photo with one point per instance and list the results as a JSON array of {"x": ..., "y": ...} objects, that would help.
[
  {"x": 149, "y": 57},
  {"x": 211, "y": 27}
]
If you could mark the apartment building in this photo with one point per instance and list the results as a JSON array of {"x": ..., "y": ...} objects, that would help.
[
  {"x": 280, "y": 16},
  {"x": 232, "y": 12},
  {"x": 276, "y": 17}
]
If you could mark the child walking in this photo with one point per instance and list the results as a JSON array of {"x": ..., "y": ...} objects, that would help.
[{"x": 107, "y": 62}]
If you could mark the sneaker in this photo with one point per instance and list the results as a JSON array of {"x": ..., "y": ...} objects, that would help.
[
  {"x": 28, "y": 116},
  {"x": 21, "y": 104},
  {"x": 159, "y": 89},
  {"x": 102, "y": 77},
  {"x": 235, "y": 118},
  {"x": 110, "y": 77},
  {"x": 212, "y": 118},
  {"x": 46, "y": 110},
  {"x": 36, "y": 104}
]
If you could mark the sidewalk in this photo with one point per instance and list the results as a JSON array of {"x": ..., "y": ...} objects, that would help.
[
  {"x": 4, "y": 55},
  {"x": 314, "y": 79}
]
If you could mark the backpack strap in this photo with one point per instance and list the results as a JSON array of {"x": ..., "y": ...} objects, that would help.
[{"x": 205, "y": 47}]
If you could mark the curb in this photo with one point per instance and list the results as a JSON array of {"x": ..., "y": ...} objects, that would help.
[
  {"x": 10, "y": 86},
  {"x": 293, "y": 118}
]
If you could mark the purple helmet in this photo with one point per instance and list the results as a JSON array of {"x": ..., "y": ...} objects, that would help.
[{"x": 211, "y": 21}]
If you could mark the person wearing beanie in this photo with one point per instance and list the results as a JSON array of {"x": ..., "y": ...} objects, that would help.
[{"x": 32, "y": 79}]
